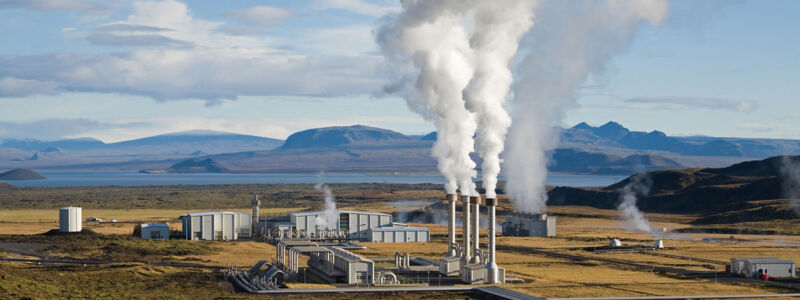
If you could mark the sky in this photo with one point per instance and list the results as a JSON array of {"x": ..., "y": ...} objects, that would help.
[{"x": 119, "y": 70}]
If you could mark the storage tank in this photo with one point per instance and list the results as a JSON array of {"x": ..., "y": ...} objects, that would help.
[
  {"x": 659, "y": 244},
  {"x": 69, "y": 219},
  {"x": 615, "y": 243}
]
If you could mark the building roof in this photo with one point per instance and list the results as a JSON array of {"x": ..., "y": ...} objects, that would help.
[
  {"x": 395, "y": 229},
  {"x": 347, "y": 255},
  {"x": 321, "y": 212},
  {"x": 767, "y": 260},
  {"x": 155, "y": 225},
  {"x": 206, "y": 213}
]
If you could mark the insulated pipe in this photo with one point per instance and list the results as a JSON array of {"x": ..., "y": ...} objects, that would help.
[
  {"x": 451, "y": 224},
  {"x": 491, "y": 265},
  {"x": 476, "y": 200},
  {"x": 466, "y": 255}
]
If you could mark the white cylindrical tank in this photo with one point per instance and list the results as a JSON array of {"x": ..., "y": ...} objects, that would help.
[
  {"x": 615, "y": 243},
  {"x": 659, "y": 244},
  {"x": 69, "y": 219}
]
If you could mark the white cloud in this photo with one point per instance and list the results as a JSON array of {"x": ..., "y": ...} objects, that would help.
[
  {"x": 189, "y": 58},
  {"x": 692, "y": 103},
  {"x": 15, "y": 87},
  {"x": 260, "y": 15},
  {"x": 87, "y": 7},
  {"x": 360, "y": 6}
]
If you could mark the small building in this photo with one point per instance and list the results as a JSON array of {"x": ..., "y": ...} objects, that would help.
[
  {"x": 399, "y": 234},
  {"x": 69, "y": 219},
  {"x": 752, "y": 267},
  {"x": 354, "y": 223},
  {"x": 216, "y": 225},
  {"x": 521, "y": 224},
  {"x": 346, "y": 267},
  {"x": 155, "y": 231}
]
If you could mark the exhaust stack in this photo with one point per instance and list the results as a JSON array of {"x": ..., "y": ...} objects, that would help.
[
  {"x": 476, "y": 258},
  {"x": 451, "y": 224},
  {"x": 466, "y": 252},
  {"x": 491, "y": 266}
]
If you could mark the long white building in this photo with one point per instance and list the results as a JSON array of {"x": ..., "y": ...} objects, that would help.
[
  {"x": 355, "y": 223},
  {"x": 217, "y": 225}
]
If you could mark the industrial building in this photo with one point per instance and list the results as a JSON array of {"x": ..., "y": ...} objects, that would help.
[
  {"x": 537, "y": 225},
  {"x": 753, "y": 267},
  {"x": 331, "y": 263},
  {"x": 69, "y": 219},
  {"x": 354, "y": 224},
  {"x": 399, "y": 234},
  {"x": 216, "y": 225},
  {"x": 155, "y": 231}
]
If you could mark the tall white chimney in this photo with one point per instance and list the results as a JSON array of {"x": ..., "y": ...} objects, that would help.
[
  {"x": 255, "y": 203},
  {"x": 491, "y": 265},
  {"x": 451, "y": 224},
  {"x": 466, "y": 253},
  {"x": 476, "y": 200}
]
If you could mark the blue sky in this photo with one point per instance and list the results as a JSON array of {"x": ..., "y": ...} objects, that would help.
[{"x": 117, "y": 70}]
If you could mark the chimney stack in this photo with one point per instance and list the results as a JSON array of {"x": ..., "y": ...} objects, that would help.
[
  {"x": 466, "y": 253},
  {"x": 255, "y": 203},
  {"x": 451, "y": 224},
  {"x": 491, "y": 265},
  {"x": 476, "y": 200}
]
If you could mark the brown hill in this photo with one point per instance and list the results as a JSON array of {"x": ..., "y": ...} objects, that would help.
[{"x": 21, "y": 174}]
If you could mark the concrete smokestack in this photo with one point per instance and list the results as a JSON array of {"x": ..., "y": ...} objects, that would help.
[
  {"x": 476, "y": 200},
  {"x": 256, "y": 204},
  {"x": 451, "y": 224},
  {"x": 491, "y": 265},
  {"x": 467, "y": 251}
]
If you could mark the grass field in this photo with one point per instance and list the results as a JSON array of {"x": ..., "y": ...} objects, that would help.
[{"x": 27, "y": 213}]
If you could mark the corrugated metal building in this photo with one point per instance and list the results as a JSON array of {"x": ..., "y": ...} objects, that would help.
[
  {"x": 156, "y": 231},
  {"x": 69, "y": 219},
  {"x": 216, "y": 225},
  {"x": 540, "y": 225},
  {"x": 355, "y": 223},
  {"x": 399, "y": 234},
  {"x": 752, "y": 267}
]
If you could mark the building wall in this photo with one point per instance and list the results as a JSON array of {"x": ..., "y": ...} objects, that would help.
[
  {"x": 162, "y": 232},
  {"x": 356, "y": 223},
  {"x": 398, "y": 236},
  {"x": 771, "y": 269},
  {"x": 217, "y": 226}
]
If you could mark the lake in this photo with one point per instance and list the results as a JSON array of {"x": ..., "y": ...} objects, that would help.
[{"x": 55, "y": 179}]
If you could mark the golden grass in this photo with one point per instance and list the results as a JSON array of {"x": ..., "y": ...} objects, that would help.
[{"x": 238, "y": 253}]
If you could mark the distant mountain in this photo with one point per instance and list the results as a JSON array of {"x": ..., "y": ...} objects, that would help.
[
  {"x": 429, "y": 137},
  {"x": 6, "y": 186},
  {"x": 576, "y": 161},
  {"x": 66, "y": 144},
  {"x": 21, "y": 174},
  {"x": 339, "y": 136},
  {"x": 192, "y": 166},
  {"x": 612, "y": 136}
]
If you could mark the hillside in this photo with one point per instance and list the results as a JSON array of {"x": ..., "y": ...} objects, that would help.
[
  {"x": 21, "y": 174},
  {"x": 192, "y": 166},
  {"x": 339, "y": 136},
  {"x": 720, "y": 195}
]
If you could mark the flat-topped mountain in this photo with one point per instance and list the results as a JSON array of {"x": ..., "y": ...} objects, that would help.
[
  {"x": 338, "y": 136},
  {"x": 192, "y": 166},
  {"x": 21, "y": 174}
]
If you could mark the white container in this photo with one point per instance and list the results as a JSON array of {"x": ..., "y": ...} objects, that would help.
[
  {"x": 659, "y": 244},
  {"x": 615, "y": 243},
  {"x": 69, "y": 219}
]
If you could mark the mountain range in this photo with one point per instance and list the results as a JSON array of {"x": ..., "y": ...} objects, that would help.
[{"x": 607, "y": 149}]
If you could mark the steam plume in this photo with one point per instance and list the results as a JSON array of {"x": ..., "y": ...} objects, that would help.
[
  {"x": 638, "y": 185},
  {"x": 499, "y": 26},
  {"x": 331, "y": 214},
  {"x": 571, "y": 40},
  {"x": 431, "y": 36},
  {"x": 790, "y": 169}
]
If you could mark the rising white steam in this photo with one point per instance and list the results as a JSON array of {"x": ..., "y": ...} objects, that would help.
[
  {"x": 571, "y": 41},
  {"x": 499, "y": 26},
  {"x": 638, "y": 185},
  {"x": 431, "y": 36},
  {"x": 331, "y": 215},
  {"x": 790, "y": 169}
]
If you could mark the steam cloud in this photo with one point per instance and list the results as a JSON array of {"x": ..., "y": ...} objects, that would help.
[
  {"x": 638, "y": 185},
  {"x": 790, "y": 169},
  {"x": 330, "y": 215},
  {"x": 432, "y": 37},
  {"x": 451, "y": 63},
  {"x": 499, "y": 26},
  {"x": 571, "y": 41}
]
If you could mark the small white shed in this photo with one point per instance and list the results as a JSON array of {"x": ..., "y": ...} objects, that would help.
[{"x": 155, "y": 231}]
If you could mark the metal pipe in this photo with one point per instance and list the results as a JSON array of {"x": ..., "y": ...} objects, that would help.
[
  {"x": 476, "y": 200},
  {"x": 466, "y": 254},
  {"x": 451, "y": 224},
  {"x": 491, "y": 265}
]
